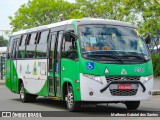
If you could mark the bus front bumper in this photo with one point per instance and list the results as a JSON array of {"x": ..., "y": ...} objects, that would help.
[{"x": 92, "y": 90}]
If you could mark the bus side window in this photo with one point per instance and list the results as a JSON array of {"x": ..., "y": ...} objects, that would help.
[
  {"x": 41, "y": 50},
  {"x": 13, "y": 49},
  {"x": 10, "y": 44},
  {"x": 31, "y": 45},
  {"x": 21, "y": 50},
  {"x": 16, "y": 48},
  {"x": 69, "y": 48}
]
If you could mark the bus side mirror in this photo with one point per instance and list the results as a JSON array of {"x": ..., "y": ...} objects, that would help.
[
  {"x": 148, "y": 39},
  {"x": 69, "y": 35}
]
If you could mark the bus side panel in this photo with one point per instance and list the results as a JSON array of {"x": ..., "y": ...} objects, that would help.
[
  {"x": 44, "y": 90},
  {"x": 14, "y": 78},
  {"x": 11, "y": 76},
  {"x": 70, "y": 73},
  {"x": 34, "y": 75},
  {"x": 8, "y": 74}
]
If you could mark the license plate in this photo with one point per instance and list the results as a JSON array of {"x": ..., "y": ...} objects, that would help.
[{"x": 124, "y": 86}]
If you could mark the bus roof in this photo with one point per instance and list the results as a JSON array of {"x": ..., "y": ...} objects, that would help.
[
  {"x": 104, "y": 21},
  {"x": 42, "y": 27},
  {"x": 82, "y": 21}
]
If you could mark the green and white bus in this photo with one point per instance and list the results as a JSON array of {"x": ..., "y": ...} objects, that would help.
[{"x": 80, "y": 61}]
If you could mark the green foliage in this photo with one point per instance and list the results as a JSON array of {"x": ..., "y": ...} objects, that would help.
[
  {"x": 39, "y": 12},
  {"x": 144, "y": 13},
  {"x": 3, "y": 42},
  {"x": 151, "y": 17},
  {"x": 156, "y": 64}
]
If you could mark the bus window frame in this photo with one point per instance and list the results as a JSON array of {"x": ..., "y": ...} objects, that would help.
[
  {"x": 68, "y": 28},
  {"x": 20, "y": 45},
  {"x": 27, "y": 43},
  {"x": 15, "y": 50},
  {"x": 38, "y": 40}
]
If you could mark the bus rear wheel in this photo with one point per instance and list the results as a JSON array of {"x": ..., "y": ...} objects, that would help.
[
  {"x": 25, "y": 97},
  {"x": 132, "y": 105},
  {"x": 72, "y": 105}
]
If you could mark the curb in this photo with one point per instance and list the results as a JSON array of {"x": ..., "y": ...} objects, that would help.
[{"x": 156, "y": 92}]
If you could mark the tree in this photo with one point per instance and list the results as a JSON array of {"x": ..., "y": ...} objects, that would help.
[
  {"x": 143, "y": 13},
  {"x": 39, "y": 12},
  {"x": 151, "y": 20},
  {"x": 3, "y": 41}
]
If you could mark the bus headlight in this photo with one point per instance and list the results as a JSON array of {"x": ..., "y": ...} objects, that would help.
[
  {"x": 147, "y": 78},
  {"x": 93, "y": 77}
]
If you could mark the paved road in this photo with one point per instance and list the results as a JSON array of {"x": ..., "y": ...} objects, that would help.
[{"x": 10, "y": 102}]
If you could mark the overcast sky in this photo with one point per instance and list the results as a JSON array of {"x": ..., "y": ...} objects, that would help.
[{"x": 8, "y": 8}]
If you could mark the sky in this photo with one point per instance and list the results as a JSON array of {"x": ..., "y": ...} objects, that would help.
[{"x": 8, "y": 8}]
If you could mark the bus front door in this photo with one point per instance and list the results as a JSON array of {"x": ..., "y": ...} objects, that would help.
[
  {"x": 54, "y": 64},
  {"x": 51, "y": 65},
  {"x": 57, "y": 64}
]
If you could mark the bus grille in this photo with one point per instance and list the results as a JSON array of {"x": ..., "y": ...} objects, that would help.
[
  {"x": 112, "y": 78},
  {"x": 116, "y": 92}
]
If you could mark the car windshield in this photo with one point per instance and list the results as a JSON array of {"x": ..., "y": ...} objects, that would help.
[{"x": 111, "y": 41}]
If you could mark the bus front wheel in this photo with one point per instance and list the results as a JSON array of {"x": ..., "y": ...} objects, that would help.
[
  {"x": 25, "y": 97},
  {"x": 132, "y": 105},
  {"x": 70, "y": 103}
]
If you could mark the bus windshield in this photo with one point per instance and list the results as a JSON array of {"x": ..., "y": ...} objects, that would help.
[{"x": 99, "y": 41}]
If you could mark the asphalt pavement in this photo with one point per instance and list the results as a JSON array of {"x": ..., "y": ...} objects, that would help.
[{"x": 11, "y": 102}]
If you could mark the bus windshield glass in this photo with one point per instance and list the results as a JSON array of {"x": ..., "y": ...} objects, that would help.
[{"x": 100, "y": 41}]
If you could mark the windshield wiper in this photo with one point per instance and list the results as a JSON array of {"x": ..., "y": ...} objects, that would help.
[
  {"x": 104, "y": 55},
  {"x": 137, "y": 56}
]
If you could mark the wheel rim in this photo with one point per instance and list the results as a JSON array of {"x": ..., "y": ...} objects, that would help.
[
  {"x": 22, "y": 93},
  {"x": 69, "y": 98}
]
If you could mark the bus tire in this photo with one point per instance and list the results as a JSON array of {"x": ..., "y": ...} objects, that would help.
[
  {"x": 72, "y": 105},
  {"x": 132, "y": 105},
  {"x": 25, "y": 97}
]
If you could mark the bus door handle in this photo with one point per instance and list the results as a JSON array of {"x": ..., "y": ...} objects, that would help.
[{"x": 125, "y": 82}]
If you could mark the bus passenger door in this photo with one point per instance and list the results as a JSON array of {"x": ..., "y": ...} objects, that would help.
[
  {"x": 51, "y": 64},
  {"x": 54, "y": 64},
  {"x": 57, "y": 64},
  {"x": 14, "y": 66}
]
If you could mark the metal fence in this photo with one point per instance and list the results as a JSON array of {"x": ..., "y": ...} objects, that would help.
[{"x": 2, "y": 67}]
